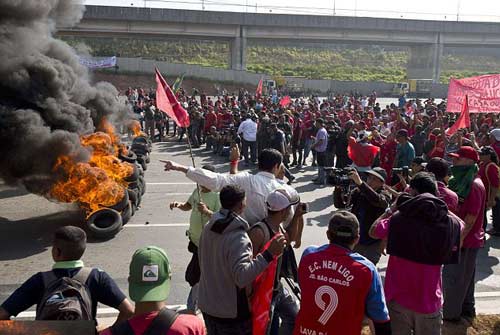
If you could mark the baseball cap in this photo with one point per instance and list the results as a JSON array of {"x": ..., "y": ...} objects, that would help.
[
  {"x": 378, "y": 172},
  {"x": 344, "y": 224},
  {"x": 149, "y": 276},
  {"x": 280, "y": 199},
  {"x": 495, "y": 133},
  {"x": 466, "y": 152}
]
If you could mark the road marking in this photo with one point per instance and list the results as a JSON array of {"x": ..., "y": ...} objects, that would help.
[
  {"x": 493, "y": 294},
  {"x": 100, "y": 311},
  {"x": 136, "y": 225},
  {"x": 171, "y": 183}
]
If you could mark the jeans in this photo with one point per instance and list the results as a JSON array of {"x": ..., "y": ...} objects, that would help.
[
  {"x": 321, "y": 157},
  {"x": 407, "y": 322},
  {"x": 252, "y": 145},
  {"x": 216, "y": 327},
  {"x": 192, "y": 300},
  {"x": 286, "y": 309},
  {"x": 458, "y": 285},
  {"x": 496, "y": 215},
  {"x": 307, "y": 149}
]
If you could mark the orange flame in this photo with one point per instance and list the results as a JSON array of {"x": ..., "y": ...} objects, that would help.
[
  {"x": 98, "y": 182},
  {"x": 135, "y": 127}
]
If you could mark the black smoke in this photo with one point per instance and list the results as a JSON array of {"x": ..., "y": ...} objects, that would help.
[{"x": 46, "y": 98}]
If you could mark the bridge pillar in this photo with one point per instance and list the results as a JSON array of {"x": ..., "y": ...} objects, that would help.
[
  {"x": 425, "y": 61},
  {"x": 238, "y": 48}
]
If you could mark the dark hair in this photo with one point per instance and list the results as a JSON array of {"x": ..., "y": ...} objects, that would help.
[
  {"x": 345, "y": 223},
  {"x": 231, "y": 196},
  {"x": 424, "y": 182},
  {"x": 71, "y": 241},
  {"x": 208, "y": 167},
  {"x": 269, "y": 158},
  {"x": 488, "y": 150},
  {"x": 320, "y": 120},
  {"x": 439, "y": 167}
]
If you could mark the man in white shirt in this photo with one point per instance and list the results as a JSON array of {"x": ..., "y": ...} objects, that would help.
[
  {"x": 256, "y": 186},
  {"x": 248, "y": 132}
]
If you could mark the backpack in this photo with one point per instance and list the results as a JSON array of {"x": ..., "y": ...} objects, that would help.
[
  {"x": 159, "y": 326},
  {"x": 65, "y": 298}
]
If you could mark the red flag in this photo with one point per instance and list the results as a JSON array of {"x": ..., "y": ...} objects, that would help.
[
  {"x": 463, "y": 120},
  {"x": 258, "y": 92},
  {"x": 167, "y": 102},
  {"x": 285, "y": 101},
  {"x": 262, "y": 295}
]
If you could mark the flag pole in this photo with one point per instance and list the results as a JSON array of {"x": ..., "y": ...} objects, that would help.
[{"x": 192, "y": 160}]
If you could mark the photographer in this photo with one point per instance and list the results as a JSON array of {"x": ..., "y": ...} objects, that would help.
[{"x": 367, "y": 201}]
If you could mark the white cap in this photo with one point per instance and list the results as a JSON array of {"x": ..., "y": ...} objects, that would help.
[
  {"x": 363, "y": 135},
  {"x": 495, "y": 133},
  {"x": 279, "y": 199}
]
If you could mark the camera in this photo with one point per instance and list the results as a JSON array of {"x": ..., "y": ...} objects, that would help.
[
  {"x": 405, "y": 171},
  {"x": 338, "y": 177}
]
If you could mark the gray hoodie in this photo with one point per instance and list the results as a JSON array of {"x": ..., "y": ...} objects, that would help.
[{"x": 227, "y": 267}]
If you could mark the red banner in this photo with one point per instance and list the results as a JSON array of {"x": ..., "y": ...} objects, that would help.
[{"x": 483, "y": 93}]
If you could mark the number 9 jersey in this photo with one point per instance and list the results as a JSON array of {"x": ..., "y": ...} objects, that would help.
[{"x": 339, "y": 287}]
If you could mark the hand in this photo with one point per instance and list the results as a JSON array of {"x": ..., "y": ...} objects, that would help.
[
  {"x": 301, "y": 209},
  {"x": 173, "y": 166},
  {"x": 203, "y": 208},
  {"x": 277, "y": 245},
  {"x": 234, "y": 154},
  {"x": 354, "y": 176},
  {"x": 173, "y": 205}
]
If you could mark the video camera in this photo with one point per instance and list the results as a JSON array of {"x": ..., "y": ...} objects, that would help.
[
  {"x": 405, "y": 171},
  {"x": 338, "y": 177}
]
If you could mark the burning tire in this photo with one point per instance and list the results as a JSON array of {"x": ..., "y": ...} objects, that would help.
[
  {"x": 119, "y": 206},
  {"x": 133, "y": 176},
  {"x": 126, "y": 214},
  {"x": 133, "y": 196},
  {"x": 142, "y": 185},
  {"x": 105, "y": 223},
  {"x": 130, "y": 157}
]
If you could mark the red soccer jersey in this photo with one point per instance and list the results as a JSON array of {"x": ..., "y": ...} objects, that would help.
[{"x": 338, "y": 288}]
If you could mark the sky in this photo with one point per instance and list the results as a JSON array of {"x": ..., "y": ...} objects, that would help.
[{"x": 449, "y": 10}]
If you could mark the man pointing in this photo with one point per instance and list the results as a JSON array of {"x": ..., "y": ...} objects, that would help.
[{"x": 256, "y": 186}]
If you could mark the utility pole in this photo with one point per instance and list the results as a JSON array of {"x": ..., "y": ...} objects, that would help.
[
  {"x": 334, "y": 8},
  {"x": 458, "y": 10},
  {"x": 202, "y": 4}
]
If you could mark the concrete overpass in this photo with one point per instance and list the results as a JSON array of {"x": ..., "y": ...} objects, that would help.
[{"x": 425, "y": 39}]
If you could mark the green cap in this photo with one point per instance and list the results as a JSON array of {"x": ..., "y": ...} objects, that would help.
[{"x": 150, "y": 274}]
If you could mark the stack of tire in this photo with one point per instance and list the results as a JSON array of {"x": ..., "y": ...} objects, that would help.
[
  {"x": 141, "y": 146},
  {"x": 105, "y": 223}
]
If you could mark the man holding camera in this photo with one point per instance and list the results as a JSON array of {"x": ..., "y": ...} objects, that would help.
[{"x": 367, "y": 201}]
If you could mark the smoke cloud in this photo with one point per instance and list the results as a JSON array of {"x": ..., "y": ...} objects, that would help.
[{"x": 46, "y": 99}]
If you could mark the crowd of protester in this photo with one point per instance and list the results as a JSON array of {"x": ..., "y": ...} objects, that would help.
[{"x": 402, "y": 186}]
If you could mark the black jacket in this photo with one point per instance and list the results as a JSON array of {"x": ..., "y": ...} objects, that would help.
[
  {"x": 423, "y": 231},
  {"x": 367, "y": 204}
]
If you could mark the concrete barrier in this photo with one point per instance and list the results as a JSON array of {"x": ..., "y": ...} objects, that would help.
[{"x": 142, "y": 65}]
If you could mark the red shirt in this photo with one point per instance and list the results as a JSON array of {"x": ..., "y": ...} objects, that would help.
[
  {"x": 210, "y": 120},
  {"x": 338, "y": 288},
  {"x": 185, "y": 324},
  {"x": 474, "y": 205},
  {"x": 489, "y": 176},
  {"x": 224, "y": 120}
]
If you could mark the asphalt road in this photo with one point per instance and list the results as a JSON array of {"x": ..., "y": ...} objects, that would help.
[{"x": 28, "y": 221}]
